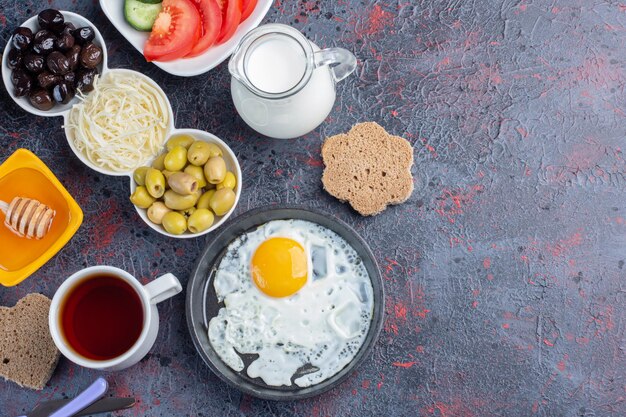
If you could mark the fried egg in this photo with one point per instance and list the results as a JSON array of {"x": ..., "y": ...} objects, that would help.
[{"x": 297, "y": 295}]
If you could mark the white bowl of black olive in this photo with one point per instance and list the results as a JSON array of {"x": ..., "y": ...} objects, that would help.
[{"x": 50, "y": 59}]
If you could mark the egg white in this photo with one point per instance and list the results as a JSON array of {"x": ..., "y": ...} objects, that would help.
[{"x": 323, "y": 324}]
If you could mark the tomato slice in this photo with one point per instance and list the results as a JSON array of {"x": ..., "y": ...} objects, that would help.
[
  {"x": 175, "y": 31},
  {"x": 231, "y": 16},
  {"x": 211, "y": 18},
  {"x": 248, "y": 8}
]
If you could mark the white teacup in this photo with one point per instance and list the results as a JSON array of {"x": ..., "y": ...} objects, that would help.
[{"x": 156, "y": 291}]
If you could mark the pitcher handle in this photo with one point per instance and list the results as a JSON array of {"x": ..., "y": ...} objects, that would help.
[{"x": 342, "y": 62}]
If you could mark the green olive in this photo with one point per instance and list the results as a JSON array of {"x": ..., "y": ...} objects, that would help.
[
  {"x": 188, "y": 212},
  {"x": 176, "y": 201},
  {"x": 197, "y": 173},
  {"x": 198, "y": 153},
  {"x": 159, "y": 162},
  {"x": 229, "y": 181},
  {"x": 200, "y": 220},
  {"x": 176, "y": 159},
  {"x": 204, "y": 200},
  {"x": 174, "y": 223},
  {"x": 183, "y": 183},
  {"x": 215, "y": 170},
  {"x": 155, "y": 182},
  {"x": 140, "y": 175},
  {"x": 222, "y": 201},
  {"x": 181, "y": 140},
  {"x": 156, "y": 212},
  {"x": 141, "y": 198},
  {"x": 167, "y": 174},
  {"x": 215, "y": 150}
]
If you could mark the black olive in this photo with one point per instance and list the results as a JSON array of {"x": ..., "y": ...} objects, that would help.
[
  {"x": 90, "y": 56},
  {"x": 34, "y": 63},
  {"x": 42, "y": 33},
  {"x": 23, "y": 89},
  {"x": 14, "y": 59},
  {"x": 41, "y": 99},
  {"x": 45, "y": 44},
  {"x": 73, "y": 56},
  {"x": 58, "y": 63},
  {"x": 85, "y": 79},
  {"x": 84, "y": 35},
  {"x": 51, "y": 19},
  {"x": 65, "y": 41},
  {"x": 70, "y": 77},
  {"x": 22, "y": 82},
  {"x": 63, "y": 92},
  {"x": 17, "y": 75},
  {"x": 47, "y": 79},
  {"x": 69, "y": 28},
  {"x": 22, "y": 38}
]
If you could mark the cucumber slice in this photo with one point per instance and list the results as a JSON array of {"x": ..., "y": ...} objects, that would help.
[
  {"x": 151, "y": 1},
  {"x": 141, "y": 15}
]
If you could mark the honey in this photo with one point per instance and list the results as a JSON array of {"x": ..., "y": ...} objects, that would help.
[{"x": 16, "y": 252}]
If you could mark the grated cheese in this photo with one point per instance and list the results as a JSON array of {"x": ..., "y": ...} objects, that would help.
[{"x": 121, "y": 124}]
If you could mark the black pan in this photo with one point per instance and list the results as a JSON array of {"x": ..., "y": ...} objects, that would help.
[{"x": 202, "y": 304}]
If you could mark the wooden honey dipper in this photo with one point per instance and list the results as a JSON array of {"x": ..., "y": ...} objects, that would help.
[{"x": 27, "y": 217}]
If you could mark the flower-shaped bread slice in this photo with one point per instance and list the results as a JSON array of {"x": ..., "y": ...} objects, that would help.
[{"x": 368, "y": 167}]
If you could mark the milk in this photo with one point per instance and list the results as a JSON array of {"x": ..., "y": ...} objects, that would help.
[{"x": 275, "y": 63}]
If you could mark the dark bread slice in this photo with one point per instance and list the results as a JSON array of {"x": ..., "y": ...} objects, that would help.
[
  {"x": 28, "y": 354},
  {"x": 368, "y": 167}
]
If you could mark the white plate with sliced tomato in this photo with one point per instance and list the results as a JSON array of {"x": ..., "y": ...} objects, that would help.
[{"x": 185, "y": 37}]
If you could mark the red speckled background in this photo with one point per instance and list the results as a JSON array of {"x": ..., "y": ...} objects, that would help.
[{"x": 504, "y": 270}]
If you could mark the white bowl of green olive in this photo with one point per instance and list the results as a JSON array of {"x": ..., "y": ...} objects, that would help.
[{"x": 191, "y": 188}]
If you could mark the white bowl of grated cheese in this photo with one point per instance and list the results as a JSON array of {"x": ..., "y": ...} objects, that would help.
[{"x": 121, "y": 124}]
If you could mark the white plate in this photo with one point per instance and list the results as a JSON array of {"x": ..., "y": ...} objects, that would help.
[{"x": 185, "y": 67}]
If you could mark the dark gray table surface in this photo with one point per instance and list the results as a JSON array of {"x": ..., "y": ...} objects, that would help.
[{"x": 505, "y": 269}]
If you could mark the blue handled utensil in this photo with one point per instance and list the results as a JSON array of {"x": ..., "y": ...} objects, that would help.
[{"x": 91, "y": 394}]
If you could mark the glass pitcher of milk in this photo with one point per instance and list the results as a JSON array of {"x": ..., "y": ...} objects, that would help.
[{"x": 283, "y": 85}]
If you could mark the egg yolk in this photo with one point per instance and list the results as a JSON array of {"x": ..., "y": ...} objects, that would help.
[{"x": 279, "y": 267}]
